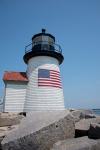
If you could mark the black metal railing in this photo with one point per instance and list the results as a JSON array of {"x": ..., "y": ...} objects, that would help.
[{"x": 43, "y": 45}]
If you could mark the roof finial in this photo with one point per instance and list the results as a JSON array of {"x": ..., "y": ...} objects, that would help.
[{"x": 43, "y": 30}]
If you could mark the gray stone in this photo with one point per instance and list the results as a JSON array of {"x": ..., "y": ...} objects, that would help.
[
  {"x": 83, "y": 143},
  {"x": 94, "y": 131},
  {"x": 98, "y": 144},
  {"x": 40, "y": 130},
  {"x": 85, "y": 123},
  {"x": 6, "y": 129},
  {"x": 82, "y": 127},
  {"x": 82, "y": 114},
  {"x": 8, "y": 119}
]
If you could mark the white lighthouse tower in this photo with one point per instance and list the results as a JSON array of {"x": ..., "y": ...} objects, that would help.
[{"x": 44, "y": 90}]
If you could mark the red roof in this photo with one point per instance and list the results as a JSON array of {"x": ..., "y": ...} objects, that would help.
[{"x": 15, "y": 76}]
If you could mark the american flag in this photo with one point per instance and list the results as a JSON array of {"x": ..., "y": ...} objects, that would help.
[{"x": 49, "y": 78}]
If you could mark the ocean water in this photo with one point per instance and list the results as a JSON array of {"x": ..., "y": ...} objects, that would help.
[{"x": 96, "y": 111}]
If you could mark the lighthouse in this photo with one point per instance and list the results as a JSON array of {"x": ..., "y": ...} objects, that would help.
[{"x": 44, "y": 89}]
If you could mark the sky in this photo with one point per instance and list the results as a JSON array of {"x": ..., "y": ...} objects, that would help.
[{"x": 76, "y": 27}]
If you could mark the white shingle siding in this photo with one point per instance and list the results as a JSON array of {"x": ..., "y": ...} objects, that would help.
[
  {"x": 42, "y": 98},
  {"x": 14, "y": 96},
  {"x": 1, "y": 107}
]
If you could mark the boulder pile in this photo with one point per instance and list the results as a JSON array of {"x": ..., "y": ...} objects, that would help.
[
  {"x": 8, "y": 122},
  {"x": 51, "y": 130}
]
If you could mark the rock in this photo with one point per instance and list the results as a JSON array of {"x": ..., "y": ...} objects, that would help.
[
  {"x": 85, "y": 123},
  {"x": 82, "y": 127},
  {"x": 94, "y": 131},
  {"x": 88, "y": 116},
  {"x": 8, "y": 119},
  {"x": 1, "y": 138},
  {"x": 81, "y": 114},
  {"x": 5, "y": 130},
  {"x": 83, "y": 143},
  {"x": 98, "y": 144},
  {"x": 40, "y": 130}
]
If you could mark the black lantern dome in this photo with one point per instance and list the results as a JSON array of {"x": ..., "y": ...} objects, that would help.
[{"x": 43, "y": 44}]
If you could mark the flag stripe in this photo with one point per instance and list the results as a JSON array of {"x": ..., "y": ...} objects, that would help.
[
  {"x": 44, "y": 84},
  {"x": 53, "y": 79},
  {"x": 55, "y": 71},
  {"x": 54, "y": 76}
]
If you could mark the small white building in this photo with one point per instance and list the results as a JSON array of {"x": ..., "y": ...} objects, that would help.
[
  {"x": 15, "y": 91},
  {"x": 40, "y": 88}
]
